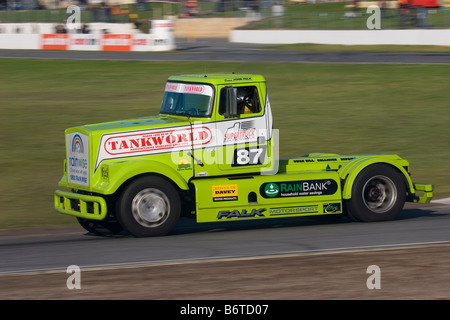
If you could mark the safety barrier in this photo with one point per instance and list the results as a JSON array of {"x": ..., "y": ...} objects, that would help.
[
  {"x": 161, "y": 39},
  {"x": 344, "y": 37}
]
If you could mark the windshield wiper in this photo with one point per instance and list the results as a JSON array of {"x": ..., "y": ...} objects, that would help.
[{"x": 186, "y": 114}]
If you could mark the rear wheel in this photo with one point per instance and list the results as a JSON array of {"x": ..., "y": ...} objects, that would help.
[
  {"x": 149, "y": 206},
  {"x": 378, "y": 194}
]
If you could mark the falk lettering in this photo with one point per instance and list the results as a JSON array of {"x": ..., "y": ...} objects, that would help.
[{"x": 236, "y": 214}]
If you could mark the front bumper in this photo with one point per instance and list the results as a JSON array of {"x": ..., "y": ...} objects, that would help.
[
  {"x": 427, "y": 193},
  {"x": 80, "y": 205}
]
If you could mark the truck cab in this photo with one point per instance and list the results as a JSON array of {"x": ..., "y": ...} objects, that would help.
[
  {"x": 212, "y": 153},
  {"x": 224, "y": 112}
]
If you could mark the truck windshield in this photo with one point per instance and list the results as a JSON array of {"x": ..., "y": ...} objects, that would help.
[{"x": 187, "y": 99}]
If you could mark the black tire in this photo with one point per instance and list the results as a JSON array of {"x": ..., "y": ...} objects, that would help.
[
  {"x": 378, "y": 194},
  {"x": 148, "y": 207},
  {"x": 101, "y": 228},
  {"x": 326, "y": 218}
]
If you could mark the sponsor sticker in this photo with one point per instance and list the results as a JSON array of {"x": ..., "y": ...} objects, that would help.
[
  {"x": 78, "y": 158},
  {"x": 189, "y": 88},
  {"x": 230, "y": 214},
  {"x": 183, "y": 165},
  {"x": 54, "y": 41},
  {"x": 293, "y": 210},
  {"x": 116, "y": 42},
  {"x": 240, "y": 131},
  {"x": 227, "y": 192},
  {"x": 298, "y": 188},
  {"x": 332, "y": 208},
  {"x": 271, "y": 190},
  {"x": 154, "y": 141},
  {"x": 90, "y": 42}
]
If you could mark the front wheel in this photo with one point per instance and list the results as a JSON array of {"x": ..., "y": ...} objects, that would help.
[
  {"x": 149, "y": 206},
  {"x": 378, "y": 194}
]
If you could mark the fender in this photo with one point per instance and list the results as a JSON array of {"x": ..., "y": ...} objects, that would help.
[
  {"x": 349, "y": 171},
  {"x": 119, "y": 172}
]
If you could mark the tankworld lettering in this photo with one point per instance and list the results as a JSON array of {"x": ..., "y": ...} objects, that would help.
[
  {"x": 156, "y": 140},
  {"x": 153, "y": 141}
]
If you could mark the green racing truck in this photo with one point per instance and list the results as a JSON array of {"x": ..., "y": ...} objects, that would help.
[{"x": 212, "y": 154}]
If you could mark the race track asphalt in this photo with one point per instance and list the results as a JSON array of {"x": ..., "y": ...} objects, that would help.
[{"x": 222, "y": 50}]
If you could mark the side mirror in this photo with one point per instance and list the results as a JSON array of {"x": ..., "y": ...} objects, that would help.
[{"x": 230, "y": 102}]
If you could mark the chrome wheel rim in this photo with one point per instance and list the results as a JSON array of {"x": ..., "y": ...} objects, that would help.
[
  {"x": 150, "y": 207},
  {"x": 379, "y": 194}
]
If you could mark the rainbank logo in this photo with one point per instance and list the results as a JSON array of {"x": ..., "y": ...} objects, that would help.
[
  {"x": 283, "y": 189},
  {"x": 271, "y": 190}
]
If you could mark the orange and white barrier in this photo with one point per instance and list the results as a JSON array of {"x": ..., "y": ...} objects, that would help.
[{"x": 161, "y": 39}]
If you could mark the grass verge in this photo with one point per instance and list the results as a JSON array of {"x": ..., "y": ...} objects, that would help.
[
  {"x": 347, "y": 109},
  {"x": 313, "y": 47}
]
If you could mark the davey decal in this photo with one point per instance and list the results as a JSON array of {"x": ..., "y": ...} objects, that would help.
[{"x": 227, "y": 192}]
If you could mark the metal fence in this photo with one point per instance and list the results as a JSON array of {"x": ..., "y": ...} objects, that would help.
[
  {"x": 356, "y": 20},
  {"x": 262, "y": 14},
  {"x": 95, "y": 13}
]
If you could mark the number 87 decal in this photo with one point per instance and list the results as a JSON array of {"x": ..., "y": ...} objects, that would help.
[{"x": 249, "y": 156}]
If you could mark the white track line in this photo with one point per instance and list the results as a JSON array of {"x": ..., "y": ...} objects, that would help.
[
  {"x": 290, "y": 254},
  {"x": 441, "y": 201}
]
